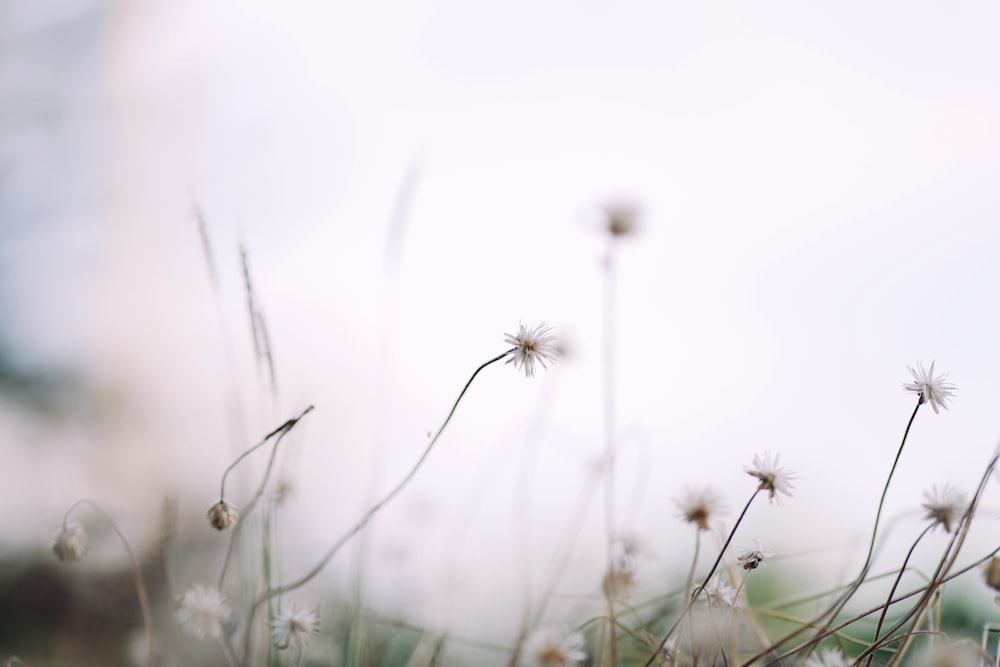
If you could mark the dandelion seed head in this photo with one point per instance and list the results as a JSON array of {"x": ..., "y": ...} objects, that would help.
[
  {"x": 70, "y": 543},
  {"x": 698, "y": 506},
  {"x": 773, "y": 478},
  {"x": 204, "y": 612},
  {"x": 550, "y": 648},
  {"x": 944, "y": 506},
  {"x": 932, "y": 390},
  {"x": 222, "y": 515},
  {"x": 531, "y": 345},
  {"x": 294, "y": 627}
]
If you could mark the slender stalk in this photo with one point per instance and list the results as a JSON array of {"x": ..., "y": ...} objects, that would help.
[
  {"x": 609, "y": 439},
  {"x": 892, "y": 591},
  {"x": 839, "y": 605},
  {"x": 697, "y": 591},
  {"x": 140, "y": 584},
  {"x": 306, "y": 578}
]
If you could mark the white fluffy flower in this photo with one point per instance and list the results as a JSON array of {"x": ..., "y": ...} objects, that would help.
[
  {"x": 294, "y": 627},
  {"x": 830, "y": 657},
  {"x": 548, "y": 648},
  {"x": 531, "y": 345},
  {"x": 204, "y": 612},
  {"x": 773, "y": 478},
  {"x": 698, "y": 506},
  {"x": 932, "y": 390},
  {"x": 70, "y": 543},
  {"x": 944, "y": 506},
  {"x": 720, "y": 594}
]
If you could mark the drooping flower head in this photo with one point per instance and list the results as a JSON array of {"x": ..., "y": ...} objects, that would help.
[
  {"x": 531, "y": 345},
  {"x": 222, "y": 515},
  {"x": 294, "y": 627},
  {"x": 932, "y": 390},
  {"x": 773, "y": 478},
  {"x": 944, "y": 506},
  {"x": 549, "y": 648},
  {"x": 751, "y": 559},
  {"x": 204, "y": 612},
  {"x": 698, "y": 506},
  {"x": 70, "y": 543}
]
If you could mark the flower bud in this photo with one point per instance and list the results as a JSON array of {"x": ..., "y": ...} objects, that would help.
[
  {"x": 222, "y": 515},
  {"x": 70, "y": 543}
]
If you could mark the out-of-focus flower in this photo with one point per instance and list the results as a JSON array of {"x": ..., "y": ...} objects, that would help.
[
  {"x": 222, "y": 515},
  {"x": 932, "y": 390},
  {"x": 622, "y": 218},
  {"x": 698, "y": 506},
  {"x": 531, "y": 345},
  {"x": 830, "y": 657},
  {"x": 944, "y": 506},
  {"x": 720, "y": 594},
  {"x": 70, "y": 543},
  {"x": 992, "y": 573},
  {"x": 549, "y": 648},
  {"x": 204, "y": 612},
  {"x": 294, "y": 627},
  {"x": 773, "y": 478}
]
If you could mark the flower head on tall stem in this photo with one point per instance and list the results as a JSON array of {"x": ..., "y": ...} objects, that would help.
[
  {"x": 932, "y": 390},
  {"x": 531, "y": 345},
  {"x": 548, "y": 648},
  {"x": 222, "y": 515},
  {"x": 698, "y": 506},
  {"x": 944, "y": 506},
  {"x": 204, "y": 612},
  {"x": 70, "y": 543},
  {"x": 773, "y": 478}
]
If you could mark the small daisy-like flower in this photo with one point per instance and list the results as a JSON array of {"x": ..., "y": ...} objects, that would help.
[
  {"x": 222, "y": 515},
  {"x": 549, "y": 648},
  {"x": 930, "y": 389},
  {"x": 720, "y": 594},
  {"x": 945, "y": 506},
  {"x": 622, "y": 218},
  {"x": 70, "y": 543},
  {"x": 531, "y": 345},
  {"x": 698, "y": 506},
  {"x": 830, "y": 657},
  {"x": 204, "y": 612},
  {"x": 751, "y": 559},
  {"x": 294, "y": 627},
  {"x": 773, "y": 478}
]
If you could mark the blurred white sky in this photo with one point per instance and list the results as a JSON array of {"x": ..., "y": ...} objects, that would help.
[{"x": 818, "y": 188}]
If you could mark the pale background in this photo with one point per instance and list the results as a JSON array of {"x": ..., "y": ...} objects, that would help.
[{"x": 818, "y": 187}]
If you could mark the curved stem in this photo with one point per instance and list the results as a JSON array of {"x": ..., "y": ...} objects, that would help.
[
  {"x": 839, "y": 605},
  {"x": 697, "y": 591},
  {"x": 281, "y": 430},
  {"x": 385, "y": 500},
  {"x": 140, "y": 584},
  {"x": 892, "y": 591}
]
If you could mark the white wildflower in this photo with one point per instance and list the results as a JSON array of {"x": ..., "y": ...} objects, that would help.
[
  {"x": 70, "y": 543},
  {"x": 830, "y": 657},
  {"x": 773, "y": 478},
  {"x": 204, "y": 612},
  {"x": 531, "y": 345},
  {"x": 720, "y": 594},
  {"x": 294, "y": 627},
  {"x": 698, "y": 506},
  {"x": 549, "y": 648},
  {"x": 932, "y": 390},
  {"x": 944, "y": 506}
]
